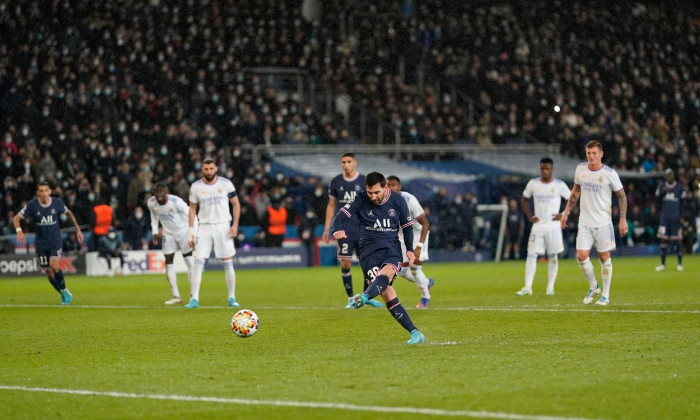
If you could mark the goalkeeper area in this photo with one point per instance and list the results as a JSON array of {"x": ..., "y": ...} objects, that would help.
[{"x": 118, "y": 352}]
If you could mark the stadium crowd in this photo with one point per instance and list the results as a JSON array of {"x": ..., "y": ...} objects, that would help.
[{"x": 105, "y": 99}]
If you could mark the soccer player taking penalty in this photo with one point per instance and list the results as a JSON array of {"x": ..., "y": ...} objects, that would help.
[{"x": 380, "y": 214}]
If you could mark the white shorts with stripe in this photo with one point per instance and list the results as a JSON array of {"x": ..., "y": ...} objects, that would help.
[
  {"x": 172, "y": 244},
  {"x": 545, "y": 242},
  {"x": 214, "y": 235},
  {"x": 603, "y": 237}
]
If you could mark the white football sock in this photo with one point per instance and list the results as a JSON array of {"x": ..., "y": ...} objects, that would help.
[
  {"x": 189, "y": 261},
  {"x": 552, "y": 271},
  {"x": 587, "y": 269},
  {"x": 530, "y": 269},
  {"x": 230, "y": 274},
  {"x": 196, "y": 279},
  {"x": 172, "y": 279},
  {"x": 406, "y": 273},
  {"x": 421, "y": 280},
  {"x": 606, "y": 270}
]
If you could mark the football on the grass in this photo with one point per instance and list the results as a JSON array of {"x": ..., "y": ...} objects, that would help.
[{"x": 244, "y": 323}]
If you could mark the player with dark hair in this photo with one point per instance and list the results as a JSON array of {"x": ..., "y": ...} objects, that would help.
[
  {"x": 670, "y": 195},
  {"x": 342, "y": 190},
  {"x": 380, "y": 213},
  {"x": 44, "y": 213},
  {"x": 210, "y": 197},
  {"x": 172, "y": 213},
  {"x": 545, "y": 236},
  {"x": 595, "y": 183}
]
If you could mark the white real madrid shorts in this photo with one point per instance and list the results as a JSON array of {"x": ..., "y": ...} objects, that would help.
[
  {"x": 603, "y": 237},
  {"x": 172, "y": 244},
  {"x": 545, "y": 242},
  {"x": 214, "y": 235},
  {"x": 423, "y": 252}
]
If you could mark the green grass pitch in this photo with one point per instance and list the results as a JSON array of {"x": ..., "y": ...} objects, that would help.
[{"x": 118, "y": 352}]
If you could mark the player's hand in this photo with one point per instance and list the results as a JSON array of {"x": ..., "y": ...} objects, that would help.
[
  {"x": 233, "y": 232},
  {"x": 563, "y": 219},
  {"x": 556, "y": 216},
  {"x": 623, "y": 227},
  {"x": 325, "y": 236},
  {"x": 192, "y": 238},
  {"x": 155, "y": 238},
  {"x": 20, "y": 237},
  {"x": 534, "y": 219},
  {"x": 416, "y": 252},
  {"x": 79, "y": 236},
  {"x": 411, "y": 257},
  {"x": 339, "y": 234}
]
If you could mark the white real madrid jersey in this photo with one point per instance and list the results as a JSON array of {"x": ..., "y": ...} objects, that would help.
[
  {"x": 415, "y": 210},
  {"x": 173, "y": 215},
  {"x": 546, "y": 197},
  {"x": 213, "y": 200},
  {"x": 596, "y": 194}
]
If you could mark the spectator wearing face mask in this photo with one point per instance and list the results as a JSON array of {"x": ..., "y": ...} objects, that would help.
[
  {"x": 136, "y": 229},
  {"x": 307, "y": 235},
  {"x": 9, "y": 146}
]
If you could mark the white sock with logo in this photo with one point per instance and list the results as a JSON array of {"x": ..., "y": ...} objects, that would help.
[
  {"x": 172, "y": 279},
  {"x": 230, "y": 274},
  {"x": 587, "y": 269},
  {"x": 552, "y": 271},
  {"x": 530, "y": 269},
  {"x": 196, "y": 279},
  {"x": 606, "y": 270}
]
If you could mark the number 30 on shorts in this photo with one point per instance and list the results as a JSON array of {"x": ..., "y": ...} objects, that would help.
[{"x": 372, "y": 273}]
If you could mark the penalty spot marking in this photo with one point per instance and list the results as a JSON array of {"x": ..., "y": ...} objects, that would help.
[{"x": 301, "y": 404}]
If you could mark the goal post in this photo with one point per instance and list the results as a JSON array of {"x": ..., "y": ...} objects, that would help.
[{"x": 495, "y": 208}]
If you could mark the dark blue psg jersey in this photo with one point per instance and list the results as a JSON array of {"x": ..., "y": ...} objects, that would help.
[
  {"x": 379, "y": 224},
  {"x": 345, "y": 191},
  {"x": 45, "y": 219},
  {"x": 671, "y": 200}
]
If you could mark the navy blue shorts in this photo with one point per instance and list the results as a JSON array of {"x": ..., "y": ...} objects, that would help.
[
  {"x": 347, "y": 246},
  {"x": 47, "y": 250},
  {"x": 670, "y": 229},
  {"x": 374, "y": 261}
]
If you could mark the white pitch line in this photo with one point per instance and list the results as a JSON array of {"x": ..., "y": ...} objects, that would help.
[
  {"x": 300, "y": 404},
  {"x": 527, "y": 308}
]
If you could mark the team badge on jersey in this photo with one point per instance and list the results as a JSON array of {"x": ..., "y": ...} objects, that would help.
[{"x": 392, "y": 213}]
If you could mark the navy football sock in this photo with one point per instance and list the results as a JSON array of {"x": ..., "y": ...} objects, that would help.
[
  {"x": 400, "y": 315},
  {"x": 60, "y": 280},
  {"x": 347, "y": 280},
  {"x": 54, "y": 282},
  {"x": 377, "y": 287},
  {"x": 664, "y": 250}
]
